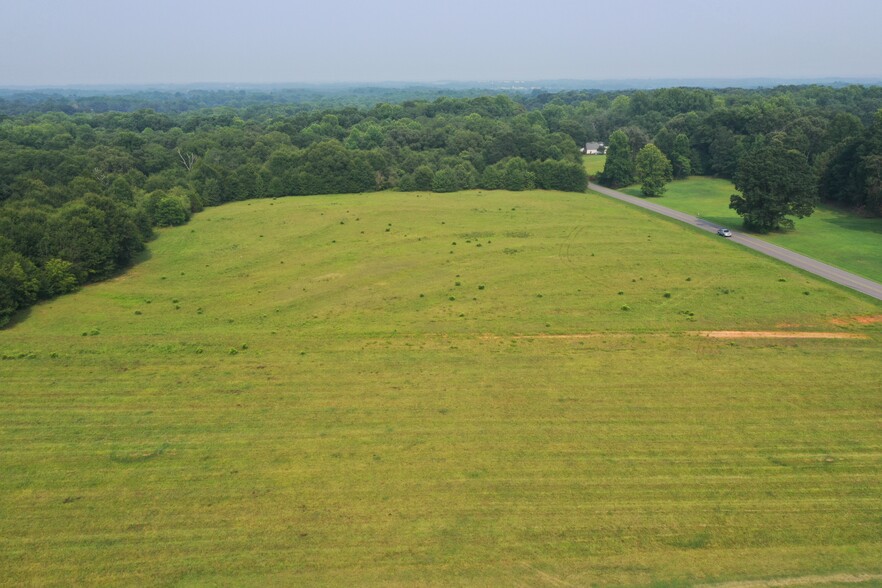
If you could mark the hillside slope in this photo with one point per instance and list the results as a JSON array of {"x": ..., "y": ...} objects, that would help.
[{"x": 473, "y": 388}]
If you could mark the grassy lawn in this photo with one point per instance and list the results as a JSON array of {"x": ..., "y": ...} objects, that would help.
[
  {"x": 833, "y": 235},
  {"x": 476, "y": 388},
  {"x": 593, "y": 164}
]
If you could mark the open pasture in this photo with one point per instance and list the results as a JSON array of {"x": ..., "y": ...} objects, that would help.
[
  {"x": 476, "y": 388},
  {"x": 594, "y": 164}
]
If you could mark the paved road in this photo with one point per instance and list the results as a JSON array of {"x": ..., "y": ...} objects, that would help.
[{"x": 834, "y": 274}]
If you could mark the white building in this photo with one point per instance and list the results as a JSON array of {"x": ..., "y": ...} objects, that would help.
[{"x": 594, "y": 148}]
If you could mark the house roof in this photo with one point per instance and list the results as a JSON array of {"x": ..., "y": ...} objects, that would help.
[{"x": 590, "y": 146}]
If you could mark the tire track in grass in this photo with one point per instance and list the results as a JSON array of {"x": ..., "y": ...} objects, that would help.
[{"x": 565, "y": 254}]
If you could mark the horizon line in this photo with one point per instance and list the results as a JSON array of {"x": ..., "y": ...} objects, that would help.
[{"x": 473, "y": 84}]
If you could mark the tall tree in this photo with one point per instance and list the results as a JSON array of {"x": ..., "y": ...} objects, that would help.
[
  {"x": 653, "y": 170},
  {"x": 681, "y": 157},
  {"x": 871, "y": 171},
  {"x": 725, "y": 149},
  {"x": 775, "y": 182},
  {"x": 618, "y": 169},
  {"x": 516, "y": 176}
]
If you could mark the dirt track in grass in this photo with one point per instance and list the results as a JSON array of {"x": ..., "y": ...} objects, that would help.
[
  {"x": 801, "y": 581},
  {"x": 778, "y": 335},
  {"x": 709, "y": 334}
]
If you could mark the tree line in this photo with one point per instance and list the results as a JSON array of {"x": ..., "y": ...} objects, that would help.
[{"x": 80, "y": 192}]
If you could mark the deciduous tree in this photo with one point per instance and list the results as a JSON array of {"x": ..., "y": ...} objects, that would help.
[
  {"x": 681, "y": 157},
  {"x": 618, "y": 169},
  {"x": 653, "y": 170},
  {"x": 775, "y": 183}
]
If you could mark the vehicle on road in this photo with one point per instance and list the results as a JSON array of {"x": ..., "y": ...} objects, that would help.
[{"x": 724, "y": 233}]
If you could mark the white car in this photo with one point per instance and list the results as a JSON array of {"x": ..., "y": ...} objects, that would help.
[{"x": 724, "y": 233}]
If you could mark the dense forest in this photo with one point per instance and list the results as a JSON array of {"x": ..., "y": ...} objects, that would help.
[
  {"x": 83, "y": 180},
  {"x": 178, "y": 99}
]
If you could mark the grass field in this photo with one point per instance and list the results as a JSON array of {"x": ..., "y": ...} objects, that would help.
[
  {"x": 833, "y": 235},
  {"x": 594, "y": 164},
  {"x": 482, "y": 389}
]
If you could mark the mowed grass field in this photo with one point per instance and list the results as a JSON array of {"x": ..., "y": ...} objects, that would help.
[
  {"x": 833, "y": 235},
  {"x": 465, "y": 389}
]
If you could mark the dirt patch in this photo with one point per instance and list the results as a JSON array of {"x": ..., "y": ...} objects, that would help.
[
  {"x": 327, "y": 277},
  {"x": 567, "y": 337},
  {"x": 546, "y": 336},
  {"x": 868, "y": 320},
  {"x": 800, "y": 581},
  {"x": 777, "y": 335},
  {"x": 858, "y": 320}
]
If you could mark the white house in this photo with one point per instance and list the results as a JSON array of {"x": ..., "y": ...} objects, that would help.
[{"x": 593, "y": 148}]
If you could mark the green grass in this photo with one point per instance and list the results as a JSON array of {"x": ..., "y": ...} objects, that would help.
[
  {"x": 594, "y": 164},
  {"x": 833, "y": 235},
  {"x": 324, "y": 405}
]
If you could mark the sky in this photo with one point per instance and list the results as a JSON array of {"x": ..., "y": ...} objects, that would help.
[{"x": 124, "y": 42}]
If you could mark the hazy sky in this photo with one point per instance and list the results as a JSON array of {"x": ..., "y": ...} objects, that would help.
[{"x": 58, "y": 42}]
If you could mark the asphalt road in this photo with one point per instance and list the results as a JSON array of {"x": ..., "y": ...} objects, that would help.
[{"x": 828, "y": 272}]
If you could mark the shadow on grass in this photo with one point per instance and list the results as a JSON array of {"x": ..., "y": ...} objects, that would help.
[
  {"x": 145, "y": 255},
  {"x": 850, "y": 222},
  {"x": 17, "y": 318},
  {"x": 22, "y": 315}
]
